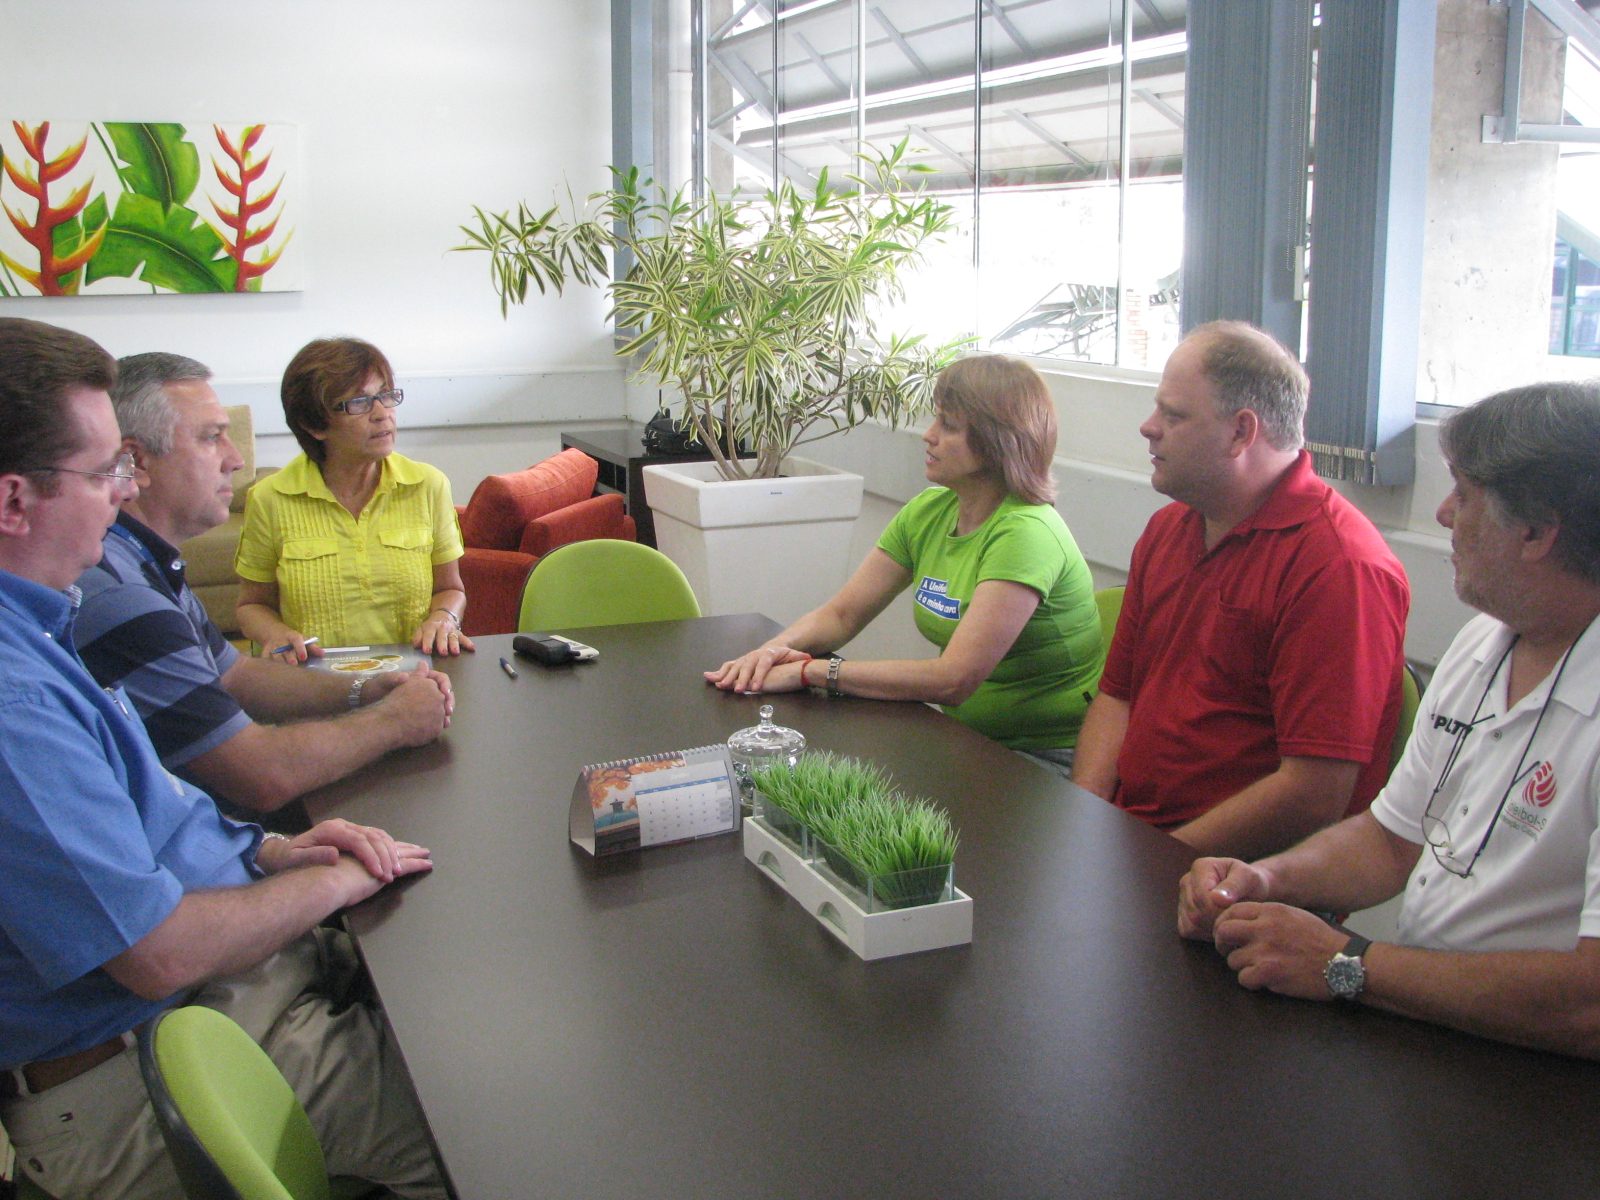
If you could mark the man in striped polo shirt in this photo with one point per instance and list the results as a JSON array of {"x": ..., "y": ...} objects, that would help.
[{"x": 256, "y": 732}]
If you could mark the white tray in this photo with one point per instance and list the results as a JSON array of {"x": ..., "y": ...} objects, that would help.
[{"x": 870, "y": 935}]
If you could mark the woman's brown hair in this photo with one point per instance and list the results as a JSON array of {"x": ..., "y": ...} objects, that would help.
[
  {"x": 1009, "y": 417},
  {"x": 323, "y": 373}
]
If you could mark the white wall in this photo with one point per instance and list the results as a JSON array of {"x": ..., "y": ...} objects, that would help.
[{"x": 409, "y": 112}]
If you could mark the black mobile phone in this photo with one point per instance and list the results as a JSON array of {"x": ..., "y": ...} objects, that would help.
[
  {"x": 552, "y": 649},
  {"x": 543, "y": 649}
]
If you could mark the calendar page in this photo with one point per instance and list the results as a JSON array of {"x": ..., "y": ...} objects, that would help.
[{"x": 654, "y": 800}]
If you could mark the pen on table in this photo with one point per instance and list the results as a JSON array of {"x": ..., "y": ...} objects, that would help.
[
  {"x": 510, "y": 671},
  {"x": 310, "y": 641}
]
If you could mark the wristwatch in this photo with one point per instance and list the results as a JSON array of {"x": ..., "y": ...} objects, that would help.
[
  {"x": 833, "y": 675},
  {"x": 353, "y": 699},
  {"x": 1345, "y": 973}
]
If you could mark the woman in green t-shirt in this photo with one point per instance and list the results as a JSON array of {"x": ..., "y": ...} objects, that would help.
[{"x": 1001, "y": 587}]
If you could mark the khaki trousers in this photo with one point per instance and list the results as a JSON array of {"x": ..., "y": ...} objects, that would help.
[{"x": 95, "y": 1137}]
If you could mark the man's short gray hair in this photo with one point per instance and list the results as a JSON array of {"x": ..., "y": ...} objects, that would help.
[
  {"x": 1536, "y": 451},
  {"x": 143, "y": 411},
  {"x": 1252, "y": 369}
]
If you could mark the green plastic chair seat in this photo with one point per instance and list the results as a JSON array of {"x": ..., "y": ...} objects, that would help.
[
  {"x": 1109, "y": 601},
  {"x": 229, "y": 1118},
  {"x": 1410, "y": 701},
  {"x": 604, "y": 581}
]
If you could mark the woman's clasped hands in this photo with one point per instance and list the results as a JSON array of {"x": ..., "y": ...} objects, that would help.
[{"x": 771, "y": 668}]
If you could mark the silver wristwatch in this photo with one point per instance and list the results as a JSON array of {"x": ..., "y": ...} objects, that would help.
[
  {"x": 354, "y": 698},
  {"x": 1345, "y": 973}
]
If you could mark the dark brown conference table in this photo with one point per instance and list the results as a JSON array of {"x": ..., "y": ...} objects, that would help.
[{"x": 672, "y": 1025}]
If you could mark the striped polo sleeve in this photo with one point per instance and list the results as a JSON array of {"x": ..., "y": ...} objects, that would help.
[{"x": 131, "y": 636}]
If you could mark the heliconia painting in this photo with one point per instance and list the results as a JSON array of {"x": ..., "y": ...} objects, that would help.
[{"x": 147, "y": 207}]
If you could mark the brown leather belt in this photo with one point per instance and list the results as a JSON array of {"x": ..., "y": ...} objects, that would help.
[{"x": 53, "y": 1072}]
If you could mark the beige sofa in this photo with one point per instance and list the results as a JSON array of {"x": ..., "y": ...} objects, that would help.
[{"x": 209, "y": 557}]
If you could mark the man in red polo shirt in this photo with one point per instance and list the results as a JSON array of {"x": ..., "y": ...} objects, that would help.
[{"x": 1252, "y": 690}]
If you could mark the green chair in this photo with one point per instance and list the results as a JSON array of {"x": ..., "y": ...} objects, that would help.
[
  {"x": 232, "y": 1125},
  {"x": 1410, "y": 701},
  {"x": 604, "y": 582},
  {"x": 1109, "y": 601}
]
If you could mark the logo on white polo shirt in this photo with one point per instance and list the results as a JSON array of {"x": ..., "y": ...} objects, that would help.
[
  {"x": 934, "y": 595},
  {"x": 1538, "y": 790},
  {"x": 1541, "y": 786}
]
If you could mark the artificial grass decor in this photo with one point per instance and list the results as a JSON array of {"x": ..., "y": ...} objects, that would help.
[{"x": 854, "y": 809}]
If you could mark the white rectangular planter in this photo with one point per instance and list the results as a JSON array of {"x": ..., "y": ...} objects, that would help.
[
  {"x": 870, "y": 935},
  {"x": 774, "y": 546}
]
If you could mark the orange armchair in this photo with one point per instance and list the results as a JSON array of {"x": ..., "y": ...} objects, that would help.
[{"x": 514, "y": 520}]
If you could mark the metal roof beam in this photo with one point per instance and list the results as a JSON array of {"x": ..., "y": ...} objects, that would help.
[
  {"x": 739, "y": 74},
  {"x": 900, "y": 42},
  {"x": 727, "y": 26},
  {"x": 1160, "y": 105},
  {"x": 764, "y": 163},
  {"x": 720, "y": 121},
  {"x": 943, "y": 148},
  {"x": 1507, "y": 126},
  {"x": 1157, "y": 19},
  {"x": 1575, "y": 22},
  {"x": 822, "y": 63},
  {"x": 1048, "y": 138},
  {"x": 1005, "y": 22},
  {"x": 1144, "y": 50}
]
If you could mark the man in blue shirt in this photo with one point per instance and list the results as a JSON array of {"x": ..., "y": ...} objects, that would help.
[
  {"x": 141, "y": 628},
  {"x": 124, "y": 890}
]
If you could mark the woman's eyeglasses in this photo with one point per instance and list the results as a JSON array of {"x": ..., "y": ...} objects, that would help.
[
  {"x": 357, "y": 405},
  {"x": 121, "y": 471}
]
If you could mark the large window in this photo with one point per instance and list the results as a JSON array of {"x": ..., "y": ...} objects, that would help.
[
  {"x": 1054, "y": 127},
  {"x": 1575, "y": 288}
]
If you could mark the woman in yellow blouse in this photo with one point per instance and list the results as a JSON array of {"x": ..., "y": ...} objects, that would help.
[{"x": 351, "y": 543}]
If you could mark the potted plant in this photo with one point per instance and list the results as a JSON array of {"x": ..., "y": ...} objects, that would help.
[
  {"x": 887, "y": 851},
  {"x": 761, "y": 316}
]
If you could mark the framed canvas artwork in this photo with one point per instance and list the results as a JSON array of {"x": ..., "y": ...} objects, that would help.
[{"x": 109, "y": 207}]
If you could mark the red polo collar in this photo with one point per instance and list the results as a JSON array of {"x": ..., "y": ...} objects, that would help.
[{"x": 1296, "y": 498}]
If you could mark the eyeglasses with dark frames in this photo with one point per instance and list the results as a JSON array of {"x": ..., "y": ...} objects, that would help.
[
  {"x": 121, "y": 470},
  {"x": 357, "y": 405}
]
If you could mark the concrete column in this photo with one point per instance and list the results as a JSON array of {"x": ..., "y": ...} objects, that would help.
[{"x": 1489, "y": 248}]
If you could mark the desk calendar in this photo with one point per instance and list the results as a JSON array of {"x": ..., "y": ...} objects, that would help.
[{"x": 654, "y": 800}]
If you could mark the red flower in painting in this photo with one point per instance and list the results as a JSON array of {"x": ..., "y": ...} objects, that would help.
[
  {"x": 238, "y": 219},
  {"x": 55, "y": 275},
  {"x": 1541, "y": 788}
]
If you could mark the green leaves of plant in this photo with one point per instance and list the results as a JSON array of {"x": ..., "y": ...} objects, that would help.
[
  {"x": 150, "y": 228},
  {"x": 177, "y": 249},
  {"x": 759, "y": 313},
  {"x": 158, "y": 163}
]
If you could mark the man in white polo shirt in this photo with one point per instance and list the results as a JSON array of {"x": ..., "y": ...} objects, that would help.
[{"x": 1489, "y": 823}]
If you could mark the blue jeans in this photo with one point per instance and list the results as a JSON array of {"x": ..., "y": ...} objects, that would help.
[{"x": 1059, "y": 760}]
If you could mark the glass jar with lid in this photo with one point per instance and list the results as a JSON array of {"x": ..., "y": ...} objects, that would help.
[{"x": 757, "y": 746}]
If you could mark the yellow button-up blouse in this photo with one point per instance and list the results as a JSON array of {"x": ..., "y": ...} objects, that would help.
[{"x": 350, "y": 581}]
